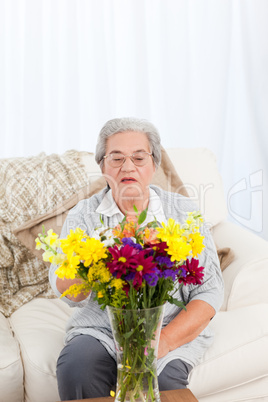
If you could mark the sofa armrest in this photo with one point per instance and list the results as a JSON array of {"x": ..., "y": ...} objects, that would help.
[{"x": 246, "y": 277}]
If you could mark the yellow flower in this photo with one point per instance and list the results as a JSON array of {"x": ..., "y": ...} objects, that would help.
[
  {"x": 104, "y": 275},
  {"x": 51, "y": 239},
  {"x": 179, "y": 250},
  {"x": 170, "y": 231},
  {"x": 91, "y": 251},
  {"x": 190, "y": 220},
  {"x": 112, "y": 393},
  {"x": 68, "y": 268},
  {"x": 38, "y": 245},
  {"x": 194, "y": 221},
  {"x": 58, "y": 259},
  {"x": 76, "y": 289},
  {"x": 72, "y": 242},
  {"x": 117, "y": 283},
  {"x": 196, "y": 242},
  {"x": 48, "y": 256},
  {"x": 98, "y": 272}
]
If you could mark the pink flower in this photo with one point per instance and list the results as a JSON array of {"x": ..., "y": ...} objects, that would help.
[
  {"x": 144, "y": 266},
  {"x": 146, "y": 351},
  {"x": 123, "y": 260}
]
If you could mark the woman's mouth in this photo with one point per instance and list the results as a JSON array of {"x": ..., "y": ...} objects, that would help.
[{"x": 128, "y": 180}]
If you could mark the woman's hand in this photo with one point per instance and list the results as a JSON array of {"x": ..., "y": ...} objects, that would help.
[
  {"x": 185, "y": 327},
  {"x": 64, "y": 284}
]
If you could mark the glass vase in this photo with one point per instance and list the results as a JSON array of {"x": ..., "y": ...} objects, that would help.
[{"x": 136, "y": 335}]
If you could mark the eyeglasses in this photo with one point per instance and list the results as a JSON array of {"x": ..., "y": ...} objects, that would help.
[{"x": 138, "y": 158}]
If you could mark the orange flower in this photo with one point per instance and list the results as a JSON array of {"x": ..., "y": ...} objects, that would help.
[
  {"x": 117, "y": 232},
  {"x": 150, "y": 236},
  {"x": 129, "y": 230}
]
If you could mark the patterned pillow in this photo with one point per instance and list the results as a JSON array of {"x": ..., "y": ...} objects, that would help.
[{"x": 30, "y": 187}]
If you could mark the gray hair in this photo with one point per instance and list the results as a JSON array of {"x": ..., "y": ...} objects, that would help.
[{"x": 122, "y": 125}]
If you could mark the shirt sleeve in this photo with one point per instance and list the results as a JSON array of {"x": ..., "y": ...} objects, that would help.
[{"x": 212, "y": 288}]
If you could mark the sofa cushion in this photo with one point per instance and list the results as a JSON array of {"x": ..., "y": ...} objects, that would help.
[
  {"x": 39, "y": 327},
  {"x": 236, "y": 357},
  {"x": 247, "y": 277},
  {"x": 197, "y": 168},
  {"x": 11, "y": 369}
]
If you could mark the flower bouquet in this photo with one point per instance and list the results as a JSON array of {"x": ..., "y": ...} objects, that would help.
[{"x": 133, "y": 270}]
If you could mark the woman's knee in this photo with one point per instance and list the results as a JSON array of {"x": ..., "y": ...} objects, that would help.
[
  {"x": 85, "y": 369},
  {"x": 174, "y": 375}
]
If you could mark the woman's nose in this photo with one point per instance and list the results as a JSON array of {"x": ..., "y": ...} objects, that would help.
[{"x": 128, "y": 164}]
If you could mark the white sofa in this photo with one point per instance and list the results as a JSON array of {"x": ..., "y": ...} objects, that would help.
[{"x": 235, "y": 368}]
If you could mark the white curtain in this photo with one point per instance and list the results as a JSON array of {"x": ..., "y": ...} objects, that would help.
[{"x": 196, "y": 68}]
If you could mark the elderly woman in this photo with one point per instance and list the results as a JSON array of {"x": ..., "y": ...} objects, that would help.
[{"x": 129, "y": 152}]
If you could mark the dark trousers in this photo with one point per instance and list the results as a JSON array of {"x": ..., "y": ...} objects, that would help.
[{"x": 86, "y": 370}]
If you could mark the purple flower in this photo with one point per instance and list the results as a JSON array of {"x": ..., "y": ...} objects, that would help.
[
  {"x": 130, "y": 276},
  {"x": 169, "y": 273},
  {"x": 182, "y": 272},
  {"x": 153, "y": 277},
  {"x": 130, "y": 242},
  {"x": 164, "y": 261}
]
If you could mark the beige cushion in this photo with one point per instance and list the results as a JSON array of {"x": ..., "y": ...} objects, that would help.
[
  {"x": 246, "y": 278},
  {"x": 197, "y": 168},
  {"x": 39, "y": 327},
  {"x": 11, "y": 370},
  {"x": 236, "y": 357}
]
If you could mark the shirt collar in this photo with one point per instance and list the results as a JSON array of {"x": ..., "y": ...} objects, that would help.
[{"x": 108, "y": 207}]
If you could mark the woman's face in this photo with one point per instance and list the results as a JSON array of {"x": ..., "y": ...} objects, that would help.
[{"x": 128, "y": 181}]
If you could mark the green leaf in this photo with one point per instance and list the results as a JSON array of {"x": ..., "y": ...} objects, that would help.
[
  {"x": 122, "y": 223},
  {"x": 128, "y": 334},
  {"x": 153, "y": 224},
  {"x": 101, "y": 220},
  {"x": 177, "y": 303},
  {"x": 135, "y": 209},
  {"x": 82, "y": 271},
  {"x": 142, "y": 217},
  {"x": 141, "y": 320}
]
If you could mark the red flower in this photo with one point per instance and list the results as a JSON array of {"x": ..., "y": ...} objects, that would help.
[
  {"x": 126, "y": 288},
  {"x": 159, "y": 248},
  {"x": 144, "y": 266},
  {"x": 194, "y": 273},
  {"x": 123, "y": 260}
]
